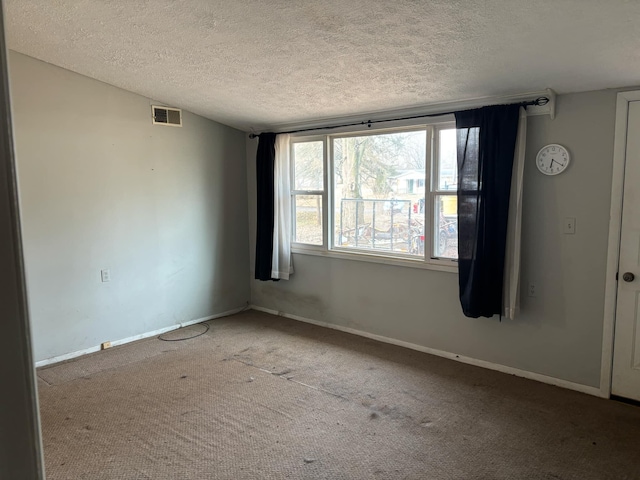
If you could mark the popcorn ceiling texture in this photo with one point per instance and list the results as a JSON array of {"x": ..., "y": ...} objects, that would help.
[{"x": 253, "y": 64}]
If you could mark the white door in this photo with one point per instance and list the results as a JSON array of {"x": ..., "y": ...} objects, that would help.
[{"x": 626, "y": 351}]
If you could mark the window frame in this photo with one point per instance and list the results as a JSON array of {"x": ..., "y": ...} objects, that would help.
[{"x": 431, "y": 187}]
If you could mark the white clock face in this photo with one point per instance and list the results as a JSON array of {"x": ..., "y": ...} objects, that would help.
[{"x": 552, "y": 159}]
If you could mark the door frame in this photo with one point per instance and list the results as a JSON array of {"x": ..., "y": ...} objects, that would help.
[
  {"x": 615, "y": 231},
  {"x": 21, "y": 456}
]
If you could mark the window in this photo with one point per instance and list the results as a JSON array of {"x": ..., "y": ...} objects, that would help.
[
  {"x": 383, "y": 194},
  {"x": 444, "y": 195},
  {"x": 308, "y": 160}
]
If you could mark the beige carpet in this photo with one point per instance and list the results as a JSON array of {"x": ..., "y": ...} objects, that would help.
[{"x": 263, "y": 397}]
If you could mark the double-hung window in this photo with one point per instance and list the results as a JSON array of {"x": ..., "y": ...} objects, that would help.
[
  {"x": 384, "y": 194},
  {"x": 308, "y": 191}
]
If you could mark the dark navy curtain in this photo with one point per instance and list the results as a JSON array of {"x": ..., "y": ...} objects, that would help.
[
  {"x": 486, "y": 139},
  {"x": 265, "y": 162}
]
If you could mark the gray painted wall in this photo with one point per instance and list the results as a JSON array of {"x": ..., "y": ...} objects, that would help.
[
  {"x": 559, "y": 333},
  {"x": 163, "y": 208}
]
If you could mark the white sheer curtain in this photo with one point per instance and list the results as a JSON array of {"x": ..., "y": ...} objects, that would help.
[
  {"x": 281, "y": 265},
  {"x": 511, "y": 283}
]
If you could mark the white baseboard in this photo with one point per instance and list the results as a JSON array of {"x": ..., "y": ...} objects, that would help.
[
  {"x": 452, "y": 356},
  {"x": 114, "y": 343}
]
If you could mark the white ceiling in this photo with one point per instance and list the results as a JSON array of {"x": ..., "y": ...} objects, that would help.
[{"x": 251, "y": 64}]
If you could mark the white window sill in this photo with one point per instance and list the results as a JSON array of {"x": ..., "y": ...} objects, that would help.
[{"x": 437, "y": 265}]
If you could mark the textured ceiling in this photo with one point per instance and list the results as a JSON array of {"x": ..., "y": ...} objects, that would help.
[{"x": 251, "y": 64}]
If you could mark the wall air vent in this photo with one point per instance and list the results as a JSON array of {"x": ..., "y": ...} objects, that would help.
[{"x": 166, "y": 116}]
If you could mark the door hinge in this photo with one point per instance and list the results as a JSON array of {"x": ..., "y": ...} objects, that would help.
[{"x": 616, "y": 276}]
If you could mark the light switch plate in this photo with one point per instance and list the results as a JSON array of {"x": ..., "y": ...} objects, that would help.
[{"x": 105, "y": 275}]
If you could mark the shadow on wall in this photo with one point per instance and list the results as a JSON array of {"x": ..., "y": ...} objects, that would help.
[{"x": 230, "y": 238}]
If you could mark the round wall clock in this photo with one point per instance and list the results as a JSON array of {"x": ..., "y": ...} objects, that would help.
[{"x": 553, "y": 159}]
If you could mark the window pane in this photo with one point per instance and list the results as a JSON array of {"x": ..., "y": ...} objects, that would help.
[
  {"x": 445, "y": 232},
  {"x": 379, "y": 193},
  {"x": 308, "y": 219},
  {"x": 447, "y": 160},
  {"x": 308, "y": 161}
]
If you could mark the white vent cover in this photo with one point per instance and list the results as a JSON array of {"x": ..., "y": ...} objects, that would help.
[{"x": 166, "y": 116}]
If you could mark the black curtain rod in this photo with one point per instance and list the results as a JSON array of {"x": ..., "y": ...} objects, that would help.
[{"x": 540, "y": 101}]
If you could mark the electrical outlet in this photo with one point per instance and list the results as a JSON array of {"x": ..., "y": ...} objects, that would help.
[
  {"x": 105, "y": 345},
  {"x": 532, "y": 291},
  {"x": 105, "y": 275},
  {"x": 569, "y": 226}
]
